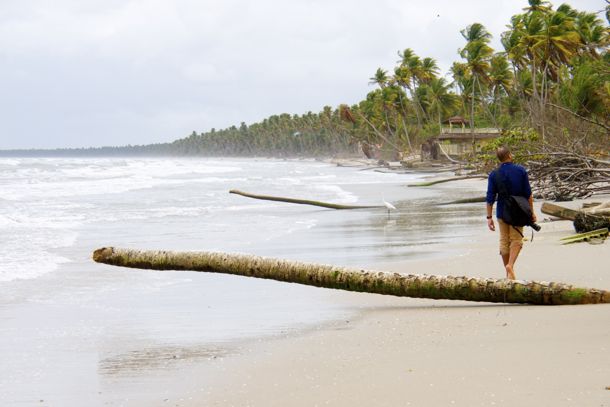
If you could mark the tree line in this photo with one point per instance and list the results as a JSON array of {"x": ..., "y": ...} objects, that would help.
[{"x": 552, "y": 78}]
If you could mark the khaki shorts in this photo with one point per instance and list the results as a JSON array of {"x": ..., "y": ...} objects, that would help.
[{"x": 509, "y": 237}]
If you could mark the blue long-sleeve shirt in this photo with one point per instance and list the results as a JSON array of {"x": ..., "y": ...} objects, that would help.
[{"x": 517, "y": 183}]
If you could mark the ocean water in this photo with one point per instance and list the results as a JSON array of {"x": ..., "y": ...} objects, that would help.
[{"x": 72, "y": 329}]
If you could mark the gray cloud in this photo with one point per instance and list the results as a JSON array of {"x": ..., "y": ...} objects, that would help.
[{"x": 92, "y": 73}]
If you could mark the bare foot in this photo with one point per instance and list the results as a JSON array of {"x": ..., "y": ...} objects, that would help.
[{"x": 510, "y": 274}]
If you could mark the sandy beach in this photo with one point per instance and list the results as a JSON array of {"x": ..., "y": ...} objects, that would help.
[{"x": 413, "y": 352}]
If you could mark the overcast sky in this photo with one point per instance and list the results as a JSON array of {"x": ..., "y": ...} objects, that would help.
[{"x": 80, "y": 73}]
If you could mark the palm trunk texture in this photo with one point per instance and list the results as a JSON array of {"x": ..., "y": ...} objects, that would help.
[{"x": 327, "y": 276}]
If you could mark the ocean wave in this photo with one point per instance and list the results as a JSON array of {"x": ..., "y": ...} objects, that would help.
[
  {"x": 335, "y": 192},
  {"x": 20, "y": 268},
  {"x": 9, "y": 162},
  {"x": 29, "y": 261},
  {"x": 38, "y": 178},
  {"x": 241, "y": 208}
]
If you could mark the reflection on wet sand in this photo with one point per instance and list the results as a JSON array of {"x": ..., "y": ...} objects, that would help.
[{"x": 163, "y": 357}]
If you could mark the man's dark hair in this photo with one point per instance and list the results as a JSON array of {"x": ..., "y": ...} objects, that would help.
[{"x": 503, "y": 153}]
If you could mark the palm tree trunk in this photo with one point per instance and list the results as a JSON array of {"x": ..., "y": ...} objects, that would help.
[
  {"x": 302, "y": 201},
  {"x": 474, "y": 81},
  {"x": 384, "y": 138},
  {"x": 537, "y": 97},
  {"x": 391, "y": 134},
  {"x": 327, "y": 276},
  {"x": 440, "y": 122},
  {"x": 417, "y": 106},
  {"x": 404, "y": 124},
  {"x": 543, "y": 98},
  {"x": 493, "y": 118}
]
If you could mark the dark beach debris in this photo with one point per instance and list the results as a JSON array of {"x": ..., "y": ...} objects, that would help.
[{"x": 590, "y": 218}]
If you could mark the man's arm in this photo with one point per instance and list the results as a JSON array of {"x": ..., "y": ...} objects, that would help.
[
  {"x": 531, "y": 201},
  {"x": 490, "y": 220},
  {"x": 490, "y": 199}
]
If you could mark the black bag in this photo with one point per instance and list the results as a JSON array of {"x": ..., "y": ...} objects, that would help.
[{"x": 517, "y": 210}]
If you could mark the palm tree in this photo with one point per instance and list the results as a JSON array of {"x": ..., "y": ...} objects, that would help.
[
  {"x": 556, "y": 43},
  {"x": 553, "y": 42},
  {"x": 586, "y": 91},
  {"x": 500, "y": 80},
  {"x": 428, "y": 71},
  {"x": 477, "y": 53},
  {"x": 410, "y": 69},
  {"x": 402, "y": 79},
  {"x": 461, "y": 82},
  {"x": 543, "y": 41},
  {"x": 380, "y": 78},
  {"x": 593, "y": 35},
  {"x": 440, "y": 99},
  {"x": 538, "y": 6}
]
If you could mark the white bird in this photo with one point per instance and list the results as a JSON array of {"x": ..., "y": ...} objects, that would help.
[{"x": 388, "y": 205}]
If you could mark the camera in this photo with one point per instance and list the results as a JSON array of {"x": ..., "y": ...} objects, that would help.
[{"x": 536, "y": 227}]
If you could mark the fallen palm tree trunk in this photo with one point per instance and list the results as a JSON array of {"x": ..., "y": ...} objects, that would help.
[
  {"x": 559, "y": 211},
  {"x": 302, "y": 201},
  {"x": 440, "y": 181},
  {"x": 327, "y": 276},
  {"x": 583, "y": 221}
]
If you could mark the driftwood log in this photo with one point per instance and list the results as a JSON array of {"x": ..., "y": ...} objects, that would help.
[
  {"x": 302, "y": 201},
  {"x": 587, "y": 220},
  {"x": 559, "y": 211},
  {"x": 327, "y": 276}
]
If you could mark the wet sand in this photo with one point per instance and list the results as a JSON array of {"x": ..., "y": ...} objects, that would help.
[{"x": 414, "y": 352}]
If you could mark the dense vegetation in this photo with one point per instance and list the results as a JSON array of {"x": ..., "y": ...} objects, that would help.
[{"x": 552, "y": 78}]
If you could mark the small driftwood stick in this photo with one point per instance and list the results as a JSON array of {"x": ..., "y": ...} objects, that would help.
[
  {"x": 302, "y": 201},
  {"x": 328, "y": 276},
  {"x": 478, "y": 199}
]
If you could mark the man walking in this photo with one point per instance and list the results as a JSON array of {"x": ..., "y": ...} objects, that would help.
[{"x": 516, "y": 181}]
